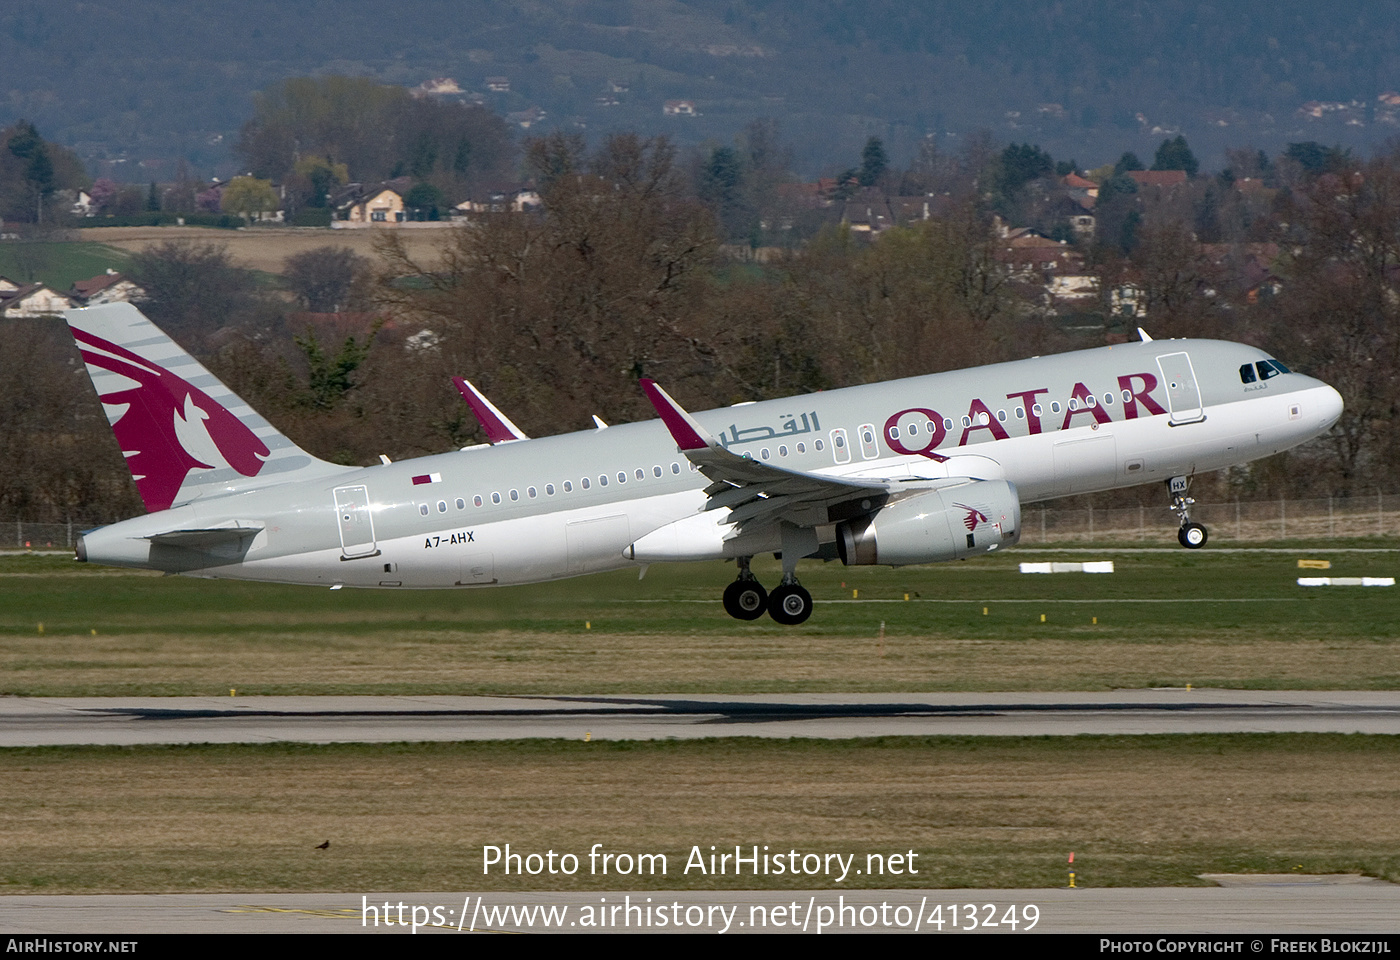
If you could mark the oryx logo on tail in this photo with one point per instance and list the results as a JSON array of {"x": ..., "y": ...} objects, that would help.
[{"x": 169, "y": 426}]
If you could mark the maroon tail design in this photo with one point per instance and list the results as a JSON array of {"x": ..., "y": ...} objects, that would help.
[{"x": 160, "y": 462}]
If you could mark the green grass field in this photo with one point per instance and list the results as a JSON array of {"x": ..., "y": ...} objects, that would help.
[
  {"x": 1166, "y": 618},
  {"x": 58, "y": 265}
]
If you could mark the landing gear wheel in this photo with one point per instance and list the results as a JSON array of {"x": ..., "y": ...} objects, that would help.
[
  {"x": 745, "y": 600},
  {"x": 1192, "y": 536},
  {"x": 789, "y": 604}
]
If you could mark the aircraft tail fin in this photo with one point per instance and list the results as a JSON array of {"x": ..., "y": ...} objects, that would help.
[{"x": 184, "y": 434}]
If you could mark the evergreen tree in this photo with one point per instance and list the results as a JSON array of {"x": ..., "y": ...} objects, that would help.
[
  {"x": 1127, "y": 162},
  {"x": 1175, "y": 155},
  {"x": 873, "y": 162},
  {"x": 1020, "y": 164}
]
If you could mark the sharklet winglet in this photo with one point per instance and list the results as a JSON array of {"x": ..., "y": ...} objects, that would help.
[
  {"x": 497, "y": 426},
  {"x": 687, "y": 433}
]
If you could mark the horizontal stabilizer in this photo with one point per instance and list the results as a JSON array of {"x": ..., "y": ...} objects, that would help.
[{"x": 207, "y": 537}]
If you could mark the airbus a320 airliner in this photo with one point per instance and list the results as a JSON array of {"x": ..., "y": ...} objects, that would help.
[{"x": 908, "y": 471}]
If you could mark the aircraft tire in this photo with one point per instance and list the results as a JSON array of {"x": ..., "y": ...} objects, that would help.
[
  {"x": 789, "y": 604},
  {"x": 745, "y": 600},
  {"x": 1192, "y": 536}
]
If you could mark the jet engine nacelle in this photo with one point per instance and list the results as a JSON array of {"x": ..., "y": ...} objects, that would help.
[{"x": 938, "y": 525}]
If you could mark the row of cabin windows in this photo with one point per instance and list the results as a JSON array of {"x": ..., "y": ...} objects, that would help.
[
  {"x": 818, "y": 446},
  {"x": 567, "y": 486},
  {"x": 867, "y": 437}
]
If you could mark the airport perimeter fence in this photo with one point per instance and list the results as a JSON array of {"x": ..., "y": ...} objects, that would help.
[{"x": 1376, "y": 515}]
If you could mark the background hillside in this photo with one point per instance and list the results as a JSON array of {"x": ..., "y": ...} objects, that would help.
[{"x": 137, "y": 86}]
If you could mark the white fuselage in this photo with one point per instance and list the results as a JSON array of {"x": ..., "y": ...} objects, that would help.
[{"x": 554, "y": 507}]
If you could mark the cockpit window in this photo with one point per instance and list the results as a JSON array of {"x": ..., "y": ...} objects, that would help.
[
  {"x": 1247, "y": 373},
  {"x": 1270, "y": 368}
]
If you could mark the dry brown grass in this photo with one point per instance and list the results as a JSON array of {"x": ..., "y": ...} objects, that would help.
[
  {"x": 985, "y": 812},
  {"x": 265, "y": 248},
  {"x": 398, "y": 660}
]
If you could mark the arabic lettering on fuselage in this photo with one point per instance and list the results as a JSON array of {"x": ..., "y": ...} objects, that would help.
[{"x": 790, "y": 428}]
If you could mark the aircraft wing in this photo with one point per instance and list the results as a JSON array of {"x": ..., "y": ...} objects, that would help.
[
  {"x": 496, "y": 424},
  {"x": 756, "y": 493}
]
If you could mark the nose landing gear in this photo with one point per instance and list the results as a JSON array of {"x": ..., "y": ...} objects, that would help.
[{"x": 1192, "y": 536}]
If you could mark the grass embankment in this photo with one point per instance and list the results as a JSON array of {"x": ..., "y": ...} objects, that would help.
[
  {"x": 980, "y": 812},
  {"x": 58, "y": 264},
  {"x": 1164, "y": 619}
]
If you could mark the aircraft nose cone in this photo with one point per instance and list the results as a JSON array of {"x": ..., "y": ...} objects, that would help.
[{"x": 1330, "y": 404}]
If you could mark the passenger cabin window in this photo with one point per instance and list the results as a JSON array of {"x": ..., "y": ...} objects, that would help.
[
  {"x": 495, "y": 498},
  {"x": 442, "y": 506},
  {"x": 423, "y": 509},
  {"x": 568, "y": 486},
  {"x": 869, "y": 449},
  {"x": 549, "y": 489},
  {"x": 656, "y": 471},
  {"x": 839, "y": 451},
  {"x": 461, "y": 504},
  {"x": 476, "y": 501}
]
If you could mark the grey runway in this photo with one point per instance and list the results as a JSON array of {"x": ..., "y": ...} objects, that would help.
[
  {"x": 1265, "y": 906},
  {"x": 39, "y": 721}
]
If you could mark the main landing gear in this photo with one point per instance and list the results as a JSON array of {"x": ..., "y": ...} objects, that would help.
[
  {"x": 745, "y": 598},
  {"x": 1191, "y": 535}
]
